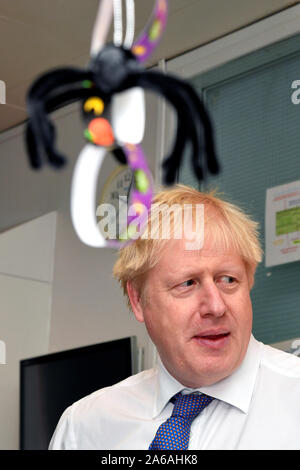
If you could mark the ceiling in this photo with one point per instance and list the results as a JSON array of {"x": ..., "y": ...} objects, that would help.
[{"x": 36, "y": 35}]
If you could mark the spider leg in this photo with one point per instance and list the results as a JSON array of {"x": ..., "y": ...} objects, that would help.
[
  {"x": 212, "y": 162},
  {"x": 55, "y": 102},
  {"x": 40, "y": 133},
  {"x": 185, "y": 134},
  {"x": 40, "y": 140},
  {"x": 191, "y": 111},
  {"x": 186, "y": 122},
  {"x": 54, "y": 79},
  {"x": 194, "y": 101},
  {"x": 32, "y": 147},
  {"x": 119, "y": 155},
  {"x": 172, "y": 162}
]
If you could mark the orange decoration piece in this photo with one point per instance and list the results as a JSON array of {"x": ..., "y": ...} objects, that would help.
[
  {"x": 139, "y": 207},
  {"x": 101, "y": 132},
  {"x": 138, "y": 50}
]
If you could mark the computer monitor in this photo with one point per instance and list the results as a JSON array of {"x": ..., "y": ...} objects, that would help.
[{"x": 50, "y": 383}]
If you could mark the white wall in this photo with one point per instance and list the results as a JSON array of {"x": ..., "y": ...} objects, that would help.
[{"x": 26, "y": 267}]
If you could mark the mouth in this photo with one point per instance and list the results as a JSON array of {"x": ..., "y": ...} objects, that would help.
[{"x": 214, "y": 340}]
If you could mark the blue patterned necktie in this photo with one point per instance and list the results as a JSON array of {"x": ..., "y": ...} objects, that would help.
[{"x": 174, "y": 433}]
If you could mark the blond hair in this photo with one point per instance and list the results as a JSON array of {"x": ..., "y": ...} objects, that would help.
[{"x": 227, "y": 226}]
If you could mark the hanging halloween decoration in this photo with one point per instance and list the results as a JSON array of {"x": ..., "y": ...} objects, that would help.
[{"x": 111, "y": 91}]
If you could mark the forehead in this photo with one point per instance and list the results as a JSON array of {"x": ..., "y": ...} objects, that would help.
[{"x": 176, "y": 259}]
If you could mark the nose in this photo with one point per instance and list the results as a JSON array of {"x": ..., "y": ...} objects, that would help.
[{"x": 211, "y": 302}]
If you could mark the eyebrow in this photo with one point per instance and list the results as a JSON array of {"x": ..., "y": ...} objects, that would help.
[
  {"x": 173, "y": 277},
  {"x": 236, "y": 270}
]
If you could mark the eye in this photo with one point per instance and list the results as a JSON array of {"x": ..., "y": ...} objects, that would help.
[
  {"x": 94, "y": 104},
  {"x": 188, "y": 283},
  {"x": 229, "y": 279}
]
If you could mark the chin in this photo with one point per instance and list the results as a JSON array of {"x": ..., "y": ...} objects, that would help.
[{"x": 210, "y": 374}]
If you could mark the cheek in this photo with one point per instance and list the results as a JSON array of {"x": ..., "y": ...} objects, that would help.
[
  {"x": 247, "y": 304},
  {"x": 163, "y": 318},
  {"x": 243, "y": 311}
]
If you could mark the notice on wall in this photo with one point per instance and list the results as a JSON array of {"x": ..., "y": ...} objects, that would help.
[{"x": 282, "y": 224}]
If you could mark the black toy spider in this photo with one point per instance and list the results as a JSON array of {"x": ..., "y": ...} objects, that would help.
[{"x": 111, "y": 71}]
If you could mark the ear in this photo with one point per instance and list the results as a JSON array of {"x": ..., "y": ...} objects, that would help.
[{"x": 135, "y": 301}]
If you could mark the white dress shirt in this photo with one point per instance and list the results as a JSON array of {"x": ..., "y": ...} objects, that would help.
[{"x": 257, "y": 407}]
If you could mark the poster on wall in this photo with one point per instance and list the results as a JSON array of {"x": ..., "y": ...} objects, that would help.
[{"x": 282, "y": 224}]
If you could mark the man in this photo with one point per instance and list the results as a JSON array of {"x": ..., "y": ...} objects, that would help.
[{"x": 215, "y": 386}]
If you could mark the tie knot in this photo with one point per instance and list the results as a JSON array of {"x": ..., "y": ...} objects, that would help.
[{"x": 190, "y": 405}]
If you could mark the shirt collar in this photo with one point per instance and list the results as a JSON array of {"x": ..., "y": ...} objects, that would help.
[
  {"x": 167, "y": 387},
  {"x": 236, "y": 389}
]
